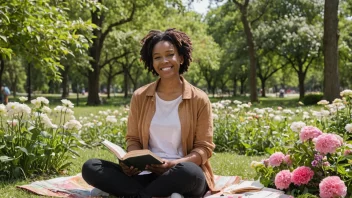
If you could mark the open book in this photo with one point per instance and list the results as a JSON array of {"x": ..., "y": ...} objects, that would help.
[
  {"x": 137, "y": 158},
  {"x": 245, "y": 186}
]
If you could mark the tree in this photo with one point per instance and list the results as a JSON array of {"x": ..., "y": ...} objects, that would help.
[
  {"x": 330, "y": 49},
  {"x": 40, "y": 33},
  {"x": 251, "y": 49}
]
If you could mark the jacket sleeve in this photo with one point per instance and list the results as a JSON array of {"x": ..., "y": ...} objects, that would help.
[
  {"x": 203, "y": 143},
  {"x": 132, "y": 136}
]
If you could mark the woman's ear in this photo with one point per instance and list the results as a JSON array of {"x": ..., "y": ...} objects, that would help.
[{"x": 181, "y": 60}]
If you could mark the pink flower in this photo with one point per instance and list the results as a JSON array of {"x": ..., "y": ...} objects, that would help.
[
  {"x": 283, "y": 179},
  {"x": 302, "y": 175},
  {"x": 309, "y": 132},
  {"x": 287, "y": 160},
  {"x": 328, "y": 143},
  {"x": 347, "y": 152},
  {"x": 276, "y": 159},
  {"x": 332, "y": 186}
]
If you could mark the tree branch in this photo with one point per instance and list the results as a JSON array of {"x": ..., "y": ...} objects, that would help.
[
  {"x": 121, "y": 22},
  {"x": 113, "y": 59},
  {"x": 262, "y": 12}
]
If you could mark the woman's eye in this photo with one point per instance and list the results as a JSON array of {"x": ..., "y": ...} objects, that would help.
[
  {"x": 156, "y": 58},
  {"x": 171, "y": 54}
]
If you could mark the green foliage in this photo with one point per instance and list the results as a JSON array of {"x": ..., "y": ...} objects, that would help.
[
  {"x": 41, "y": 32},
  {"x": 312, "y": 99},
  {"x": 30, "y": 144}
]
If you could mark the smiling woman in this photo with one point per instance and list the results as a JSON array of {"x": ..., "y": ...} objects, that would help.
[{"x": 171, "y": 118}]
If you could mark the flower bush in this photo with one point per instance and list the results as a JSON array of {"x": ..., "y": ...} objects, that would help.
[{"x": 30, "y": 142}]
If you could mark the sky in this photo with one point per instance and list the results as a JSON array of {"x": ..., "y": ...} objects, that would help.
[{"x": 200, "y": 6}]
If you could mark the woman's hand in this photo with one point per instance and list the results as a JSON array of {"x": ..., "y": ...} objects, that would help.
[
  {"x": 129, "y": 171},
  {"x": 159, "y": 169}
]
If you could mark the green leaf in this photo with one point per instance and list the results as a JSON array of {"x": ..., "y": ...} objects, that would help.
[
  {"x": 22, "y": 149},
  {"x": 5, "y": 158},
  {"x": 3, "y": 38}
]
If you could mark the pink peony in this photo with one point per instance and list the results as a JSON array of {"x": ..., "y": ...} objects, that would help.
[
  {"x": 328, "y": 143},
  {"x": 332, "y": 186},
  {"x": 283, "y": 179},
  {"x": 287, "y": 160},
  {"x": 276, "y": 159},
  {"x": 302, "y": 175},
  {"x": 309, "y": 132}
]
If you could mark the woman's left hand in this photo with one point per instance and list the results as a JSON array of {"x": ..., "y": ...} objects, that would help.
[{"x": 159, "y": 169}]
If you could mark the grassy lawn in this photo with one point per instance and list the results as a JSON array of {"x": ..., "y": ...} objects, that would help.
[{"x": 223, "y": 164}]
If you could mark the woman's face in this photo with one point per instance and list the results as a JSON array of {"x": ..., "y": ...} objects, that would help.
[{"x": 166, "y": 60}]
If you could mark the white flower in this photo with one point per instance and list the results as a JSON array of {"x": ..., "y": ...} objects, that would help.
[
  {"x": 67, "y": 103},
  {"x": 23, "y": 99},
  {"x": 246, "y": 105},
  {"x": 13, "y": 122},
  {"x": 3, "y": 110},
  {"x": 16, "y": 109},
  {"x": 46, "y": 109},
  {"x": 337, "y": 101},
  {"x": 40, "y": 101},
  {"x": 62, "y": 109},
  {"x": 237, "y": 102},
  {"x": 111, "y": 119},
  {"x": 297, "y": 126},
  {"x": 325, "y": 113},
  {"x": 89, "y": 125},
  {"x": 346, "y": 92},
  {"x": 73, "y": 124},
  {"x": 323, "y": 102},
  {"x": 46, "y": 121},
  {"x": 287, "y": 111},
  {"x": 278, "y": 118},
  {"x": 215, "y": 116},
  {"x": 348, "y": 128},
  {"x": 123, "y": 119},
  {"x": 260, "y": 111}
]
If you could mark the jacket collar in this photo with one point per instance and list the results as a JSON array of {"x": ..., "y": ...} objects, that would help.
[{"x": 186, "y": 88}]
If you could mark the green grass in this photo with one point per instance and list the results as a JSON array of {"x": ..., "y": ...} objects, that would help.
[{"x": 222, "y": 163}]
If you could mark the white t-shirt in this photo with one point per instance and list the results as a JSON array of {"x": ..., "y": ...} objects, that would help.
[{"x": 165, "y": 129}]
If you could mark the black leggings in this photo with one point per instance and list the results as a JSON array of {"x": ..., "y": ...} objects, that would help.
[{"x": 185, "y": 178}]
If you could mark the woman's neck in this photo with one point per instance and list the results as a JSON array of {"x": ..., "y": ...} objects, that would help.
[{"x": 170, "y": 85}]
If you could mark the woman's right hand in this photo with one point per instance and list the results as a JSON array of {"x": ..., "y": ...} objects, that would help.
[{"x": 129, "y": 171}]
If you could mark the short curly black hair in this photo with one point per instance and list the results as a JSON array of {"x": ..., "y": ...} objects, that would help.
[{"x": 179, "y": 39}]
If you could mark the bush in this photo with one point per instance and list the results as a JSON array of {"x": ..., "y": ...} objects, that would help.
[{"x": 312, "y": 99}]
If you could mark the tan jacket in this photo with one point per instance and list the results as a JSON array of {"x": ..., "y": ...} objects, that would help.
[{"x": 195, "y": 114}]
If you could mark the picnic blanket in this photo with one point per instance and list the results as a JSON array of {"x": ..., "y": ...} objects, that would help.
[{"x": 76, "y": 187}]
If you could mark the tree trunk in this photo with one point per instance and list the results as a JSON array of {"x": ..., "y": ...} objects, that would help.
[
  {"x": 262, "y": 80},
  {"x": 252, "y": 56},
  {"x": 242, "y": 87},
  {"x": 14, "y": 87},
  {"x": 301, "y": 78},
  {"x": 93, "y": 87},
  {"x": 125, "y": 81},
  {"x": 109, "y": 85},
  {"x": 2, "y": 67},
  {"x": 64, "y": 83},
  {"x": 234, "y": 86},
  {"x": 95, "y": 52},
  {"x": 29, "y": 91},
  {"x": 331, "y": 74}
]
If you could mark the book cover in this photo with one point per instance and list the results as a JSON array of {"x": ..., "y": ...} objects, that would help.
[{"x": 137, "y": 158}]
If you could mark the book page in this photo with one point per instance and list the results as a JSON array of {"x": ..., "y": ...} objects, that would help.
[
  {"x": 245, "y": 186},
  {"x": 117, "y": 150}
]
